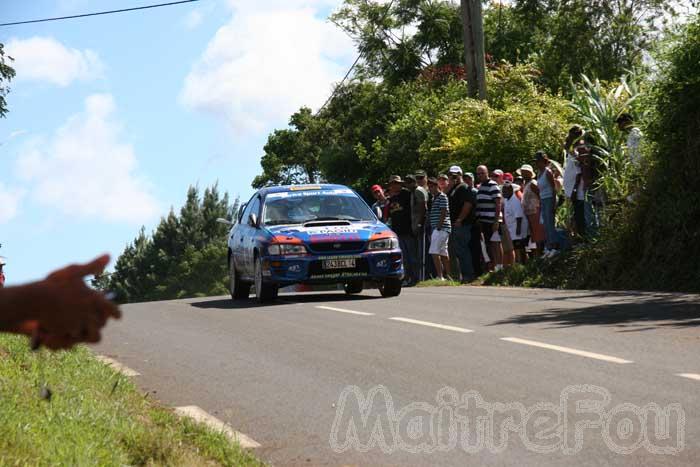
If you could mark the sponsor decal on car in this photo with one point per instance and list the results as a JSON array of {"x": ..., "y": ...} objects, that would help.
[{"x": 337, "y": 275}]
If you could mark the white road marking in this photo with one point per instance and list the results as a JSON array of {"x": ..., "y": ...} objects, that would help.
[
  {"x": 581, "y": 353},
  {"x": 432, "y": 325},
  {"x": 115, "y": 365},
  {"x": 694, "y": 376},
  {"x": 200, "y": 416},
  {"x": 342, "y": 310}
]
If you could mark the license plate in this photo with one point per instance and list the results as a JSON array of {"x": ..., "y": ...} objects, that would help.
[{"x": 339, "y": 263}]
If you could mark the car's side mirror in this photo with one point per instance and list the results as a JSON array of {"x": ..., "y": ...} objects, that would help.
[
  {"x": 253, "y": 220},
  {"x": 221, "y": 220}
]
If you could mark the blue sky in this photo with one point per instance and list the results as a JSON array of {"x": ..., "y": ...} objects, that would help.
[{"x": 113, "y": 117}]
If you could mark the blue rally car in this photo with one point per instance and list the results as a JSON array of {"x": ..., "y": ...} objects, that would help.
[{"x": 311, "y": 234}]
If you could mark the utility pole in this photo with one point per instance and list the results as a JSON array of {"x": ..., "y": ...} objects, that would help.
[{"x": 473, "y": 35}]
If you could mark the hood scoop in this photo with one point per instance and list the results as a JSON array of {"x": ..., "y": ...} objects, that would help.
[{"x": 327, "y": 223}]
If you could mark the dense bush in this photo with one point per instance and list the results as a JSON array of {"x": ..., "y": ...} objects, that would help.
[
  {"x": 657, "y": 243},
  {"x": 517, "y": 120}
]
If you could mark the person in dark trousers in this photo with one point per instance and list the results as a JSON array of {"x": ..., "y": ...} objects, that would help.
[
  {"x": 546, "y": 190},
  {"x": 475, "y": 240},
  {"x": 400, "y": 219},
  {"x": 422, "y": 182},
  {"x": 461, "y": 203},
  {"x": 419, "y": 211}
]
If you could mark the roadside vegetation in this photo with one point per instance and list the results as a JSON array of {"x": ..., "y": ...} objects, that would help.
[
  {"x": 95, "y": 417},
  {"x": 550, "y": 64}
]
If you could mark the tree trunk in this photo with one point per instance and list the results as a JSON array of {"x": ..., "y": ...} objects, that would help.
[{"x": 473, "y": 34}]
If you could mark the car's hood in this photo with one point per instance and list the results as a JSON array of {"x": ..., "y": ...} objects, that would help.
[{"x": 356, "y": 231}]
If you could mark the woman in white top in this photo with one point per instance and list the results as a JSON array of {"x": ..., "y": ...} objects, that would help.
[{"x": 515, "y": 221}]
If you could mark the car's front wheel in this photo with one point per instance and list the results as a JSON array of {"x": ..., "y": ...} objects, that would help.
[
  {"x": 353, "y": 287},
  {"x": 264, "y": 291},
  {"x": 390, "y": 287},
  {"x": 239, "y": 289}
]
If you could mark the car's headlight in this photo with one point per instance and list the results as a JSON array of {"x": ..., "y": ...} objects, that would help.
[
  {"x": 390, "y": 243},
  {"x": 286, "y": 249}
]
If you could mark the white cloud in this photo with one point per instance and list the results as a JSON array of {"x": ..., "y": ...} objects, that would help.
[
  {"x": 193, "y": 19},
  {"x": 86, "y": 171},
  {"x": 270, "y": 59},
  {"x": 46, "y": 59},
  {"x": 9, "y": 202}
]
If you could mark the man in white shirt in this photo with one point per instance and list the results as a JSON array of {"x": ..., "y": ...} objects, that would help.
[
  {"x": 515, "y": 220},
  {"x": 625, "y": 123}
]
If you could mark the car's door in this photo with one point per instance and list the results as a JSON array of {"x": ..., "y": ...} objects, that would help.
[
  {"x": 236, "y": 238},
  {"x": 250, "y": 234}
]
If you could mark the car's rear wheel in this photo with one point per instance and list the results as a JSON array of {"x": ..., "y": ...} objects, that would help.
[
  {"x": 390, "y": 287},
  {"x": 239, "y": 289},
  {"x": 353, "y": 287},
  {"x": 264, "y": 291}
]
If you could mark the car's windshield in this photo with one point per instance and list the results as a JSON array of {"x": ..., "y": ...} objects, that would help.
[{"x": 304, "y": 206}]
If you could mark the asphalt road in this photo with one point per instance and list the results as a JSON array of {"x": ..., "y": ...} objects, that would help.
[{"x": 460, "y": 376}]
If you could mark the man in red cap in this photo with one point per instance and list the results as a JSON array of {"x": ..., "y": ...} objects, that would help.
[{"x": 381, "y": 205}]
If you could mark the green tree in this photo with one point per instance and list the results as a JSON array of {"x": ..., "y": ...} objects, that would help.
[
  {"x": 184, "y": 257},
  {"x": 400, "y": 38},
  {"x": 291, "y": 155},
  {"x": 564, "y": 38},
  {"x": 6, "y": 75}
]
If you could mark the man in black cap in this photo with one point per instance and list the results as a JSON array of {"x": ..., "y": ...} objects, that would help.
[{"x": 401, "y": 223}]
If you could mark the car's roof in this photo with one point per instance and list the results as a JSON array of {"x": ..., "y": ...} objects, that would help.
[{"x": 283, "y": 188}]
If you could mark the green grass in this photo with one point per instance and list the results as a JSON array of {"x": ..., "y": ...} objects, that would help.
[
  {"x": 95, "y": 417},
  {"x": 438, "y": 283}
]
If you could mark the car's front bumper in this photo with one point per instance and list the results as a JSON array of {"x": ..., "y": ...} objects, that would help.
[{"x": 309, "y": 269}]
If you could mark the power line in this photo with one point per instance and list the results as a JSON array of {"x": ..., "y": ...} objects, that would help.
[
  {"x": 352, "y": 67},
  {"x": 354, "y": 64},
  {"x": 98, "y": 13}
]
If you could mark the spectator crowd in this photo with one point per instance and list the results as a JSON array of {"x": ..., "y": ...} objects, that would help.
[{"x": 459, "y": 225}]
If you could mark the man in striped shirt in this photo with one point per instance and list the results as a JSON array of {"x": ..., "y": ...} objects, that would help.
[
  {"x": 440, "y": 222},
  {"x": 488, "y": 211}
]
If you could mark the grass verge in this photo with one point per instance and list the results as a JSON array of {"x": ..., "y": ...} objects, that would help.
[
  {"x": 95, "y": 417},
  {"x": 438, "y": 283}
]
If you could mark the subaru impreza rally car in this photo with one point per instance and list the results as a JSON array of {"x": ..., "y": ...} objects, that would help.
[{"x": 311, "y": 234}]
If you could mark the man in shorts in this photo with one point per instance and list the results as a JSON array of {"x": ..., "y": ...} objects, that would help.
[
  {"x": 488, "y": 211},
  {"x": 439, "y": 218}
]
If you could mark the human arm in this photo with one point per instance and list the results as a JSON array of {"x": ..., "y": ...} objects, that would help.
[
  {"x": 421, "y": 208},
  {"x": 60, "y": 311},
  {"x": 550, "y": 178},
  {"x": 499, "y": 209},
  {"x": 441, "y": 221},
  {"x": 464, "y": 213}
]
